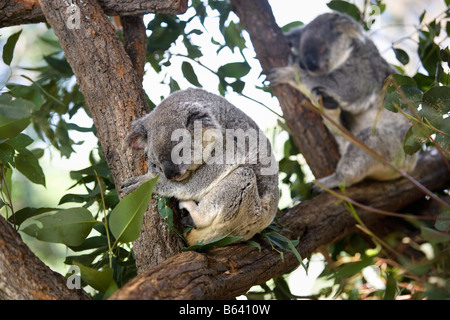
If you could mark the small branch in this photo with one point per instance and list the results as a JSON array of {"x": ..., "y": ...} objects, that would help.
[
  {"x": 135, "y": 42},
  {"x": 13, "y": 12}
]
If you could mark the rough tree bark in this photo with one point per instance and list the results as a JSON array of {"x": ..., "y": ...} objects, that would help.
[
  {"x": 14, "y": 12},
  {"x": 224, "y": 273},
  {"x": 25, "y": 276},
  {"x": 306, "y": 127},
  {"x": 135, "y": 42}
]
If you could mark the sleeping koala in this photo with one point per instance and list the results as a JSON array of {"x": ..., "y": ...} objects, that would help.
[
  {"x": 340, "y": 66},
  {"x": 214, "y": 159}
]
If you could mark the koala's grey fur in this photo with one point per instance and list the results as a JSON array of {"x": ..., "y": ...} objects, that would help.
[
  {"x": 341, "y": 67},
  {"x": 233, "y": 199}
]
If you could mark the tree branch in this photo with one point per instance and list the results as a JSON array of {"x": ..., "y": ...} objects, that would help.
[
  {"x": 23, "y": 276},
  {"x": 135, "y": 42},
  {"x": 224, "y": 273},
  {"x": 15, "y": 12},
  {"x": 306, "y": 127}
]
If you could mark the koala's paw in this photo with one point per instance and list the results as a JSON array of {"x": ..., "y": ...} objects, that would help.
[
  {"x": 130, "y": 185},
  {"x": 281, "y": 75},
  {"x": 329, "y": 182},
  {"x": 316, "y": 189},
  {"x": 327, "y": 101}
]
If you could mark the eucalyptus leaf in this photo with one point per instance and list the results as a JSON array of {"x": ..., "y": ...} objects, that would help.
[
  {"x": 8, "y": 48},
  {"x": 215, "y": 243},
  {"x": 61, "y": 66},
  {"x": 415, "y": 137},
  {"x": 345, "y": 7},
  {"x": 434, "y": 236},
  {"x": 350, "y": 269},
  {"x": 443, "y": 221},
  {"x": 69, "y": 226},
  {"x": 438, "y": 98},
  {"x": 16, "y": 108},
  {"x": 7, "y": 154},
  {"x": 92, "y": 243},
  {"x": 10, "y": 127},
  {"x": 28, "y": 165},
  {"x": 20, "y": 142},
  {"x": 14, "y": 116},
  {"x": 234, "y": 69},
  {"x": 403, "y": 97},
  {"x": 166, "y": 212},
  {"x": 26, "y": 213},
  {"x": 189, "y": 73},
  {"x": 291, "y": 25},
  {"x": 126, "y": 218},
  {"x": 98, "y": 279},
  {"x": 401, "y": 56}
]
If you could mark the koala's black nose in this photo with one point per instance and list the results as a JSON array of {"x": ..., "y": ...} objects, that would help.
[
  {"x": 169, "y": 169},
  {"x": 311, "y": 61}
]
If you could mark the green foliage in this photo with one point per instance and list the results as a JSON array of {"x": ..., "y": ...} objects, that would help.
[
  {"x": 70, "y": 226},
  {"x": 98, "y": 227},
  {"x": 215, "y": 243},
  {"x": 125, "y": 223},
  {"x": 166, "y": 212},
  {"x": 15, "y": 116},
  {"x": 427, "y": 110},
  {"x": 101, "y": 280},
  {"x": 8, "y": 49}
]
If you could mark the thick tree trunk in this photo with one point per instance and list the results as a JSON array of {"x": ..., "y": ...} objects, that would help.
[
  {"x": 114, "y": 98},
  {"x": 24, "y": 277},
  {"x": 306, "y": 127},
  {"x": 224, "y": 273},
  {"x": 15, "y": 12}
]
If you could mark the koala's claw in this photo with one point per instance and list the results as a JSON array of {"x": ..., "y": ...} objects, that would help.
[
  {"x": 316, "y": 189},
  {"x": 129, "y": 185},
  {"x": 280, "y": 75},
  {"x": 272, "y": 77}
]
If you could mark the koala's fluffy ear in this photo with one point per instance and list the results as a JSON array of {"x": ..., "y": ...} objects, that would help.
[
  {"x": 199, "y": 113},
  {"x": 349, "y": 27},
  {"x": 138, "y": 136},
  {"x": 293, "y": 37}
]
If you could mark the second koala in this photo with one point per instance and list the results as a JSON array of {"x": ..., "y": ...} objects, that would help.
[
  {"x": 214, "y": 159},
  {"x": 341, "y": 67}
]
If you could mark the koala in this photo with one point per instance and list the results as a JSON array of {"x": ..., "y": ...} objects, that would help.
[
  {"x": 214, "y": 159},
  {"x": 338, "y": 65}
]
